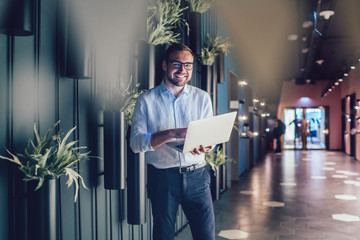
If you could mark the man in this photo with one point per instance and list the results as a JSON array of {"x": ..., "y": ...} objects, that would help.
[
  {"x": 279, "y": 129},
  {"x": 162, "y": 115}
]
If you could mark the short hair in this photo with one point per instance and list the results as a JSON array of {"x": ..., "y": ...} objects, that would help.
[{"x": 176, "y": 47}]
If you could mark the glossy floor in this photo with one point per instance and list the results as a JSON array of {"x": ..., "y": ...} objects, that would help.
[{"x": 294, "y": 195}]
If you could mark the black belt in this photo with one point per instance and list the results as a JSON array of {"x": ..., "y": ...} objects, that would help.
[{"x": 186, "y": 169}]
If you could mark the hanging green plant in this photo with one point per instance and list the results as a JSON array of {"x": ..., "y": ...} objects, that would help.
[
  {"x": 200, "y": 6},
  {"x": 165, "y": 17},
  {"x": 123, "y": 99},
  {"x": 216, "y": 158},
  {"x": 51, "y": 158},
  {"x": 213, "y": 47}
]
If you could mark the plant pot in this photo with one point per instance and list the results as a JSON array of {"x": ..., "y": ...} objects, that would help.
[
  {"x": 206, "y": 78},
  {"x": 195, "y": 32},
  {"x": 43, "y": 210},
  {"x": 215, "y": 179},
  {"x": 114, "y": 150},
  {"x": 136, "y": 190},
  {"x": 18, "y": 17},
  {"x": 220, "y": 61}
]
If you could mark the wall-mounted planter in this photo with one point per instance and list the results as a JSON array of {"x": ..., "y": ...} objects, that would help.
[
  {"x": 43, "y": 207},
  {"x": 17, "y": 17},
  {"x": 114, "y": 149},
  {"x": 220, "y": 61},
  {"x": 206, "y": 78},
  {"x": 195, "y": 32},
  {"x": 215, "y": 179},
  {"x": 76, "y": 46},
  {"x": 136, "y": 190}
]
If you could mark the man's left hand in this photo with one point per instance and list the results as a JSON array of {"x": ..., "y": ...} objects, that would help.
[{"x": 201, "y": 150}]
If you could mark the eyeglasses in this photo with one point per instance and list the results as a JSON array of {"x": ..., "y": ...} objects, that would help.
[{"x": 178, "y": 65}]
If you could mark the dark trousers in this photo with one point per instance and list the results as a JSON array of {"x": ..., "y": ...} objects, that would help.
[
  {"x": 167, "y": 189},
  {"x": 278, "y": 145}
]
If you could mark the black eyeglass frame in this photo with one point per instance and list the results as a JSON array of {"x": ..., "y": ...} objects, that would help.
[{"x": 181, "y": 64}]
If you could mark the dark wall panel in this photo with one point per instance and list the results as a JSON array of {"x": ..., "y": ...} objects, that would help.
[
  {"x": 41, "y": 95},
  {"x": 45, "y": 66},
  {"x": 69, "y": 209},
  {"x": 3, "y": 135}
]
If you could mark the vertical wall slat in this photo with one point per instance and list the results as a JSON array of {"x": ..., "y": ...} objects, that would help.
[{"x": 4, "y": 115}]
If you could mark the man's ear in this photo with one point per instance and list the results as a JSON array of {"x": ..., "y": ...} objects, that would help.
[{"x": 164, "y": 65}]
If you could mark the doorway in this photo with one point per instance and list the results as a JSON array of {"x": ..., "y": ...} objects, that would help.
[{"x": 305, "y": 128}]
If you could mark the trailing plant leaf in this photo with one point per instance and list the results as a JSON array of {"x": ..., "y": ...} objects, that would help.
[
  {"x": 216, "y": 158},
  {"x": 50, "y": 158},
  {"x": 213, "y": 47},
  {"x": 200, "y": 6},
  {"x": 73, "y": 178},
  {"x": 164, "y": 18}
]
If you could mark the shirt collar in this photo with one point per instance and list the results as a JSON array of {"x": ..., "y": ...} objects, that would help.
[{"x": 165, "y": 89}]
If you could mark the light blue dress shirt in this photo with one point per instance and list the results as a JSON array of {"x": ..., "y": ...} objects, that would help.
[{"x": 158, "y": 110}]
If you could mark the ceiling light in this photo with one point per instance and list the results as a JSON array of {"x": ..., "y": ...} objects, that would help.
[
  {"x": 305, "y": 38},
  {"x": 333, "y": 86},
  {"x": 345, "y": 74},
  {"x": 329, "y": 89},
  {"x": 307, "y": 24},
  {"x": 320, "y": 61},
  {"x": 262, "y": 103},
  {"x": 304, "y": 50},
  {"x": 308, "y": 80},
  {"x": 352, "y": 67},
  {"x": 292, "y": 37},
  {"x": 340, "y": 80},
  {"x": 243, "y": 83},
  {"x": 327, "y": 14},
  {"x": 336, "y": 83}
]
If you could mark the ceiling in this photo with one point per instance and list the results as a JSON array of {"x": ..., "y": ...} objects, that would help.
[{"x": 260, "y": 31}]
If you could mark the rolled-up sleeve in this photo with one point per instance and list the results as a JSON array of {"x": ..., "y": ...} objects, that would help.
[{"x": 140, "y": 137}]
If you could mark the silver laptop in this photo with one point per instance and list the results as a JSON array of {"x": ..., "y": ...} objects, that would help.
[{"x": 206, "y": 132}]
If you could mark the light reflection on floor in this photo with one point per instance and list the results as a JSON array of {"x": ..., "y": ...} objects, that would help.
[{"x": 295, "y": 195}]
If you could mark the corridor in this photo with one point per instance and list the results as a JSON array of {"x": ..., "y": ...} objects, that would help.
[{"x": 296, "y": 195}]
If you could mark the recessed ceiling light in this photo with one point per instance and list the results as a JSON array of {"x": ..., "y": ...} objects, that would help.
[
  {"x": 336, "y": 83},
  {"x": 292, "y": 37},
  {"x": 327, "y": 14},
  {"x": 308, "y": 80},
  {"x": 304, "y": 50},
  {"x": 320, "y": 61},
  {"x": 307, "y": 24},
  {"x": 345, "y": 74},
  {"x": 340, "y": 80}
]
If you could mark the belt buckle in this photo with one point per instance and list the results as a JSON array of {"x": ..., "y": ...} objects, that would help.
[
  {"x": 187, "y": 169},
  {"x": 180, "y": 170}
]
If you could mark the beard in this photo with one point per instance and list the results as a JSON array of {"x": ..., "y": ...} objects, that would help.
[{"x": 177, "y": 82}]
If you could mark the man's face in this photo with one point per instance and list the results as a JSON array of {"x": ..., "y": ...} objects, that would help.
[{"x": 178, "y": 70}]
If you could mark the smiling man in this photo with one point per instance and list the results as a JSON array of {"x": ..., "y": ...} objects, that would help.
[{"x": 162, "y": 115}]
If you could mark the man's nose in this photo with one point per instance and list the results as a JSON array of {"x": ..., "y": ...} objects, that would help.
[{"x": 182, "y": 68}]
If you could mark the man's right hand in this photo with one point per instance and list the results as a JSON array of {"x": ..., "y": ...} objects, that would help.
[{"x": 160, "y": 138}]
